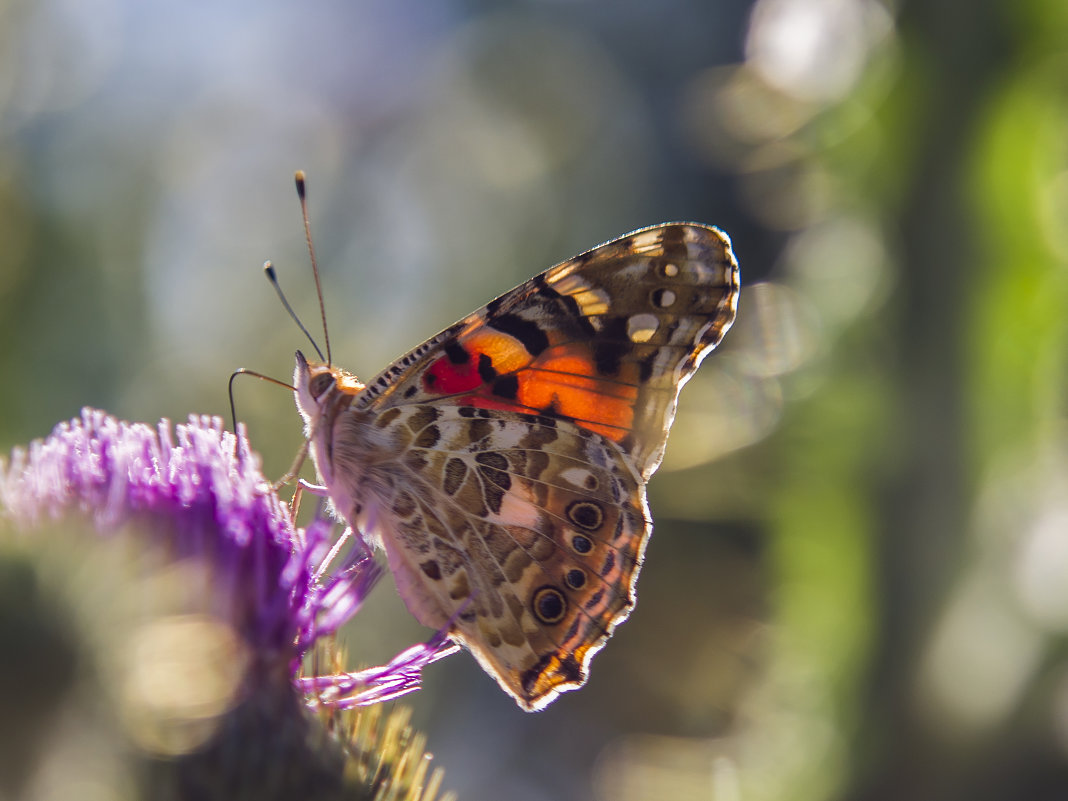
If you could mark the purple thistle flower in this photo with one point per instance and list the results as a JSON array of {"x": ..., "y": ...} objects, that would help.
[{"x": 197, "y": 497}]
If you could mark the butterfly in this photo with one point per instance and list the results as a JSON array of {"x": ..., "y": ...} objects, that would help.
[{"x": 502, "y": 464}]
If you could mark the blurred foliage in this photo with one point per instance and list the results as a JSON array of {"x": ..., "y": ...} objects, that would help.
[{"x": 858, "y": 585}]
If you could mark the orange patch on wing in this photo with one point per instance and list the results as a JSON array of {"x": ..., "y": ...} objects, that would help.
[
  {"x": 568, "y": 384},
  {"x": 562, "y": 380},
  {"x": 506, "y": 353}
]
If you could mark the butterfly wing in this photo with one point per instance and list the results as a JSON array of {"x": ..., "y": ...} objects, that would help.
[
  {"x": 522, "y": 533},
  {"x": 502, "y": 464},
  {"x": 606, "y": 340}
]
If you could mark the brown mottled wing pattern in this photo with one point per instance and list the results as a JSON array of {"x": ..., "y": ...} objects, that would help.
[
  {"x": 527, "y": 532},
  {"x": 503, "y": 463}
]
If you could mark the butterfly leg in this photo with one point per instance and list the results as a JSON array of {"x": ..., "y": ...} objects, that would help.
[
  {"x": 318, "y": 490},
  {"x": 292, "y": 472}
]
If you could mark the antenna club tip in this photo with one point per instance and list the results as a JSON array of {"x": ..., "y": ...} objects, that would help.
[
  {"x": 299, "y": 178},
  {"x": 268, "y": 268}
]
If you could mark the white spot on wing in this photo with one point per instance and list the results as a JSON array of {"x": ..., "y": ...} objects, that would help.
[
  {"x": 576, "y": 476},
  {"x": 642, "y": 327},
  {"x": 667, "y": 298},
  {"x": 517, "y": 510},
  {"x": 560, "y": 272},
  {"x": 648, "y": 242},
  {"x": 592, "y": 302},
  {"x": 568, "y": 284}
]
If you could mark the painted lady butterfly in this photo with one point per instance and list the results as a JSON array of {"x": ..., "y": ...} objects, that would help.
[{"x": 502, "y": 464}]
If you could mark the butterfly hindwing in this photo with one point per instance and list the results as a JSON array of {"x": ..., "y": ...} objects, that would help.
[{"x": 522, "y": 533}]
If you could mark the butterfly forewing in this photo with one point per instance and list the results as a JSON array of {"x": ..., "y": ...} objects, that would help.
[
  {"x": 503, "y": 463},
  {"x": 606, "y": 339}
]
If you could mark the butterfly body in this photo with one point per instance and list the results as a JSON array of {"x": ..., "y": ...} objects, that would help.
[{"x": 502, "y": 464}]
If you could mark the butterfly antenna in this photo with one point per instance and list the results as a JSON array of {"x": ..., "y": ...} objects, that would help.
[
  {"x": 254, "y": 374},
  {"x": 268, "y": 270},
  {"x": 302, "y": 194}
]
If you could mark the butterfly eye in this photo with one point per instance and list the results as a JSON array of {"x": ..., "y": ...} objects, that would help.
[{"x": 320, "y": 384}]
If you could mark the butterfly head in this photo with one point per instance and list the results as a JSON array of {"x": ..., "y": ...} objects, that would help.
[{"x": 320, "y": 386}]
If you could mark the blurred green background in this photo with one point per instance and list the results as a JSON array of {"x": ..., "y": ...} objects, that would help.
[{"x": 858, "y": 583}]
